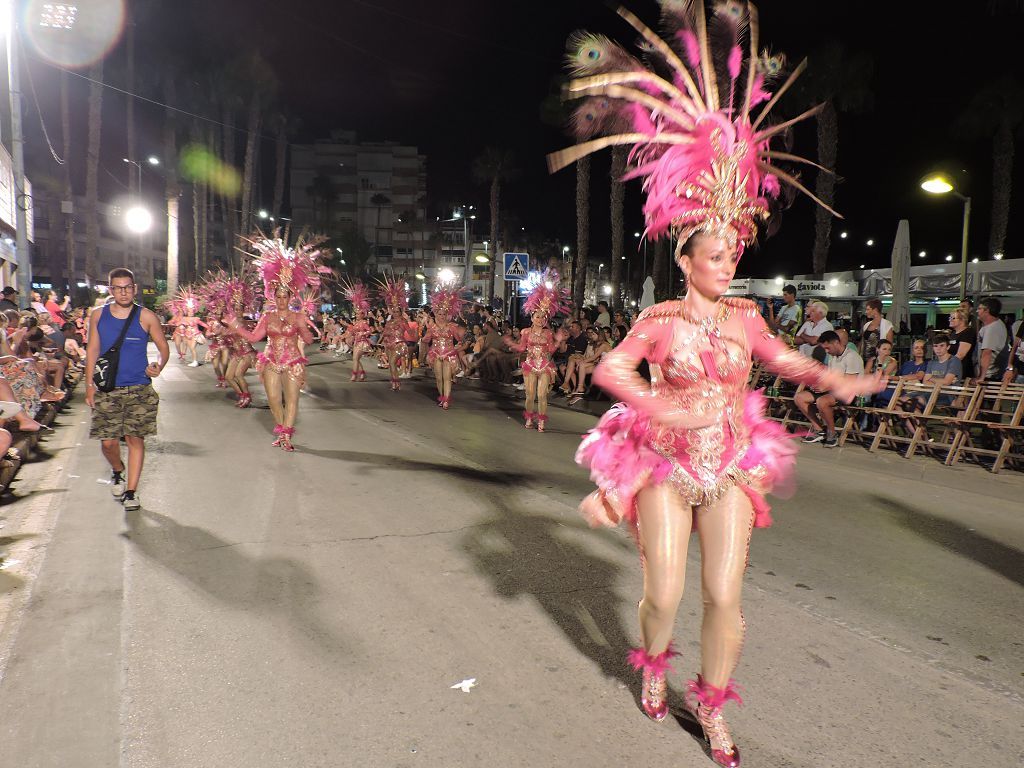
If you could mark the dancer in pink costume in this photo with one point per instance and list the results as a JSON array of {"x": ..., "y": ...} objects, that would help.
[
  {"x": 539, "y": 343},
  {"x": 444, "y": 336},
  {"x": 184, "y": 306},
  {"x": 692, "y": 448},
  {"x": 285, "y": 273},
  {"x": 359, "y": 330},
  {"x": 392, "y": 338},
  {"x": 217, "y": 352},
  {"x": 234, "y": 296}
]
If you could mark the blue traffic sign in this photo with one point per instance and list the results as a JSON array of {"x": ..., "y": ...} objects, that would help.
[{"x": 517, "y": 265}]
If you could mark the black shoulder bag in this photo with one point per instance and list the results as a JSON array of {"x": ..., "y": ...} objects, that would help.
[{"x": 104, "y": 373}]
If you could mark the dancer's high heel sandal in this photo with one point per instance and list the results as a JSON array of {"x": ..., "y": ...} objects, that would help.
[
  {"x": 705, "y": 702},
  {"x": 355, "y": 376},
  {"x": 528, "y": 416},
  {"x": 654, "y": 690},
  {"x": 286, "y": 439},
  {"x": 362, "y": 375},
  {"x": 445, "y": 401},
  {"x": 279, "y": 431},
  {"x": 542, "y": 420}
]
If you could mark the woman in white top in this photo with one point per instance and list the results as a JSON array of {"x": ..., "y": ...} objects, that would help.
[{"x": 875, "y": 329}]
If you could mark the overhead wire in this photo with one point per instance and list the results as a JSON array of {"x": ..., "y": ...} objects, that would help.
[{"x": 39, "y": 111}]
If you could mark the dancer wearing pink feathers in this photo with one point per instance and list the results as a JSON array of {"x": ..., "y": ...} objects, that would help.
[
  {"x": 285, "y": 273},
  {"x": 392, "y": 337},
  {"x": 444, "y": 336},
  {"x": 359, "y": 330},
  {"x": 691, "y": 449},
  {"x": 539, "y": 343}
]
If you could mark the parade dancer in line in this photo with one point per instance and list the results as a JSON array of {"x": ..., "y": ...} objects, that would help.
[
  {"x": 444, "y": 336},
  {"x": 238, "y": 297},
  {"x": 217, "y": 351},
  {"x": 691, "y": 448},
  {"x": 539, "y": 343},
  {"x": 285, "y": 272},
  {"x": 392, "y": 338},
  {"x": 186, "y": 305},
  {"x": 359, "y": 330}
]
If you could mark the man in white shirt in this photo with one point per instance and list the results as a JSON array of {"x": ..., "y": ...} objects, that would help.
[
  {"x": 816, "y": 325},
  {"x": 991, "y": 339},
  {"x": 604, "y": 320},
  {"x": 819, "y": 407}
]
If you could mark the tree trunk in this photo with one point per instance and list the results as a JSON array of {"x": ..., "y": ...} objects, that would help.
[
  {"x": 248, "y": 172},
  {"x": 662, "y": 268},
  {"x": 618, "y": 224},
  {"x": 495, "y": 212},
  {"x": 579, "y": 261},
  {"x": 825, "y": 186},
  {"x": 1002, "y": 184},
  {"x": 92, "y": 165},
  {"x": 226, "y": 202},
  {"x": 281, "y": 147},
  {"x": 69, "y": 217},
  {"x": 130, "y": 106},
  {"x": 172, "y": 189}
]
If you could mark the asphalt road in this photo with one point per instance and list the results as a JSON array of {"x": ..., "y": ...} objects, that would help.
[{"x": 315, "y": 609}]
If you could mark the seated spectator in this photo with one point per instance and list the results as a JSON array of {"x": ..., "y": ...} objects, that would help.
[
  {"x": 943, "y": 370},
  {"x": 912, "y": 370},
  {"x": 808, "y": 337},
  {"x": 883, "y": 361},
  {"x": 581, "y": 367},
  {"x": 819, "y": 407},
  {"x": 74, "y": 347}
]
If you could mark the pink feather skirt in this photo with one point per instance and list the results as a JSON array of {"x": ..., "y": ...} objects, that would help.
[{"x": 622, "y": 457}]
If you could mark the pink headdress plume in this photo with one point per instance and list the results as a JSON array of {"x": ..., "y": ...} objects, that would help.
[
  {"x": 311, "y": 301},
  {"x": 290, "y": 268},
  {"x": 185, "y": 301},
  {"x": 446, "y": 301},
  {"x": 393, "y": 293},
  {"x": 547, "y": 297},
  {"x": 359, "y": 295},
  {"x": 225, "y": 293},
  {"x": 702, "y": 152}
]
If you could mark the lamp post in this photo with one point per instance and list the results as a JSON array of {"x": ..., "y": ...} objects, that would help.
[
  {"x": 8, "y": 28},
  {"x": 937, "y": 184}
]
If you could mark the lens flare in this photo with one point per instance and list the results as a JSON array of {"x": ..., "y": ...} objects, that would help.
[
  {"x": 199, "y": 164},
  {"x": 74, "y": 35}
]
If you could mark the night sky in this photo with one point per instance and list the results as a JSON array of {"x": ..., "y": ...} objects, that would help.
[{"x": 452, "y": 77}]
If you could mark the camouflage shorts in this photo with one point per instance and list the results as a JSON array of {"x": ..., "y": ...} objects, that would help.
[{"x": 125, "y": 411}]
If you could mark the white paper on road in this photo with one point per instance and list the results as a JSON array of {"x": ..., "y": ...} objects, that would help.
[{"x": 465, "y": 685}]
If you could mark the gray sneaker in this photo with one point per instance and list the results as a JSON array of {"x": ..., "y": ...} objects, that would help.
[
  {"x": 830, "y": 441},
  {"x": 131, "y": 501},
  {"x": 814, "y": 437},
  {"x": 117, "y": 484}
]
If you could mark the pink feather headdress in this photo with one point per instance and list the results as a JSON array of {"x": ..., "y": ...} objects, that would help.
[
  {"x": 705, "y": 159},
  {"x": 293, "y": 269},
  {"x": 547, "y": 297},
  {"x": 185, "y": 301},
  {"x": 445, "y": 301},
  {"x": 223, "y": 292},
  {"x": 393, "y": 293},
  {"x": 359, "y": 295}
]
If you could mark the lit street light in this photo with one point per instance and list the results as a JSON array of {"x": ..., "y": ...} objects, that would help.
[
  {"x": 138, "y": 219},
  {"x": 153, "y": 160},
  {"x": 937, "y": 184},
  {"x": 481, "y": 259},
  {"x": 446, "y": 276},
  {"x": 264, "y": 214}
]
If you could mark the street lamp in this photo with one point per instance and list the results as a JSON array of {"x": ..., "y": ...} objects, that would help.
[
  {"x": 938, "y": 184},
  {"x": 153, "y": 160},
  {"x": 138, "y": 219},
  {"x": 264, "y": 214}
]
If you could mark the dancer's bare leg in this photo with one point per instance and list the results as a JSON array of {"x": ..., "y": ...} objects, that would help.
[
  {"x": 446, "y": 376},
  {"x": 357, "y": 356},
  {"x": 543, "y": 387},
  {"x": 275, "y": 393},
  {"x": 530, "y": 380},
  {"x": 438, "y": 378},
  {"x": 664, "y": 521},
  {"x": 292, "y": 386},
  {"x": 393, "y": 363},
  {"x": 192, "y": 349},
  {"x": 724, "y": 529}
]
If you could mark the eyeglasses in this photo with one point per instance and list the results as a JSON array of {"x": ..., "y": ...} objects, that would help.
[{"x": 122, "y": 288}]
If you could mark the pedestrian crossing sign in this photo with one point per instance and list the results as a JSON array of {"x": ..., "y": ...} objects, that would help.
[{"x": 517, "y": 265}]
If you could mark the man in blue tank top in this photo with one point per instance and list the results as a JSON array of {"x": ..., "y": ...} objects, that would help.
[{"x": 129, "y": 411}]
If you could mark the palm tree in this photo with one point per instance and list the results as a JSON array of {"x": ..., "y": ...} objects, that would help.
[
  {"x": 380, "y": 201},
  {"x": 494, "y": 166},
  {"x": 841, "y": 82},
  {"x": 69, "y": 217},
  {"x": 618, "y": 195},
  {"x": 172, "y": 190},
  {"x": 284, "y": 126},
  {"x": 92, "y": 164},
  {"x": 995, "y": 113},
  {"x": 579, "y": 262}
]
